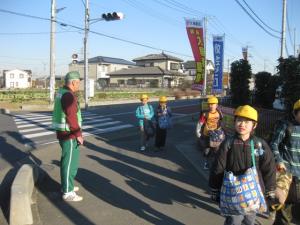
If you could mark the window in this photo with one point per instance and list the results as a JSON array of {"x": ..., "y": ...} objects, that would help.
[
  {"x": 21, "y": 75},
  {"x": 174, "y": 66},
  {"x": 121, "y": 82},
  {"x": 11, "y": 75},
  {"x": 11, "y": 84}
]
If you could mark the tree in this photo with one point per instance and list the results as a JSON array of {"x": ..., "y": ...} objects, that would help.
[
  {"x": 265, "y": 89},
  {"x": 289, "y": 72},
  {"x": 239, "y": 82}
]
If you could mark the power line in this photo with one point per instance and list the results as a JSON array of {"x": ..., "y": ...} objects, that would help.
[
  {"x": 260, "y": 18},
  {"x": 35, "y": 33},
  {"x": 97, "y": 33},
  {"x": 246, "y": 11},
  {"x": 289, "y": 30}
]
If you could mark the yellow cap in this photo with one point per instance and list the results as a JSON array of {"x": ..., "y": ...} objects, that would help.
[
  {"x": 162, "y": 99},
  {"x": 212, "y": 100},
  {"x": 144, "y": 96},
  {"x": 297, "y": 105},
  {"x": 247, "y": 112}
]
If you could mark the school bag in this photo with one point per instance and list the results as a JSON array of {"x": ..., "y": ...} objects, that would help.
[{"x": 242, "y": 194}]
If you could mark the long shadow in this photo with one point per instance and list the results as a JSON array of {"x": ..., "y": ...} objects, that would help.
[
  {"x": 52, "y": 191},
  {"x": 103, "y": 189},
  {"x": 154, "y": 188},
  {"x": 16, "y": 158},
  {"x": 182, "y": 175}
]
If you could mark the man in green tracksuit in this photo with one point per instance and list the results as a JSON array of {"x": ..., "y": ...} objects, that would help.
[{"x": 66, "y": 120}]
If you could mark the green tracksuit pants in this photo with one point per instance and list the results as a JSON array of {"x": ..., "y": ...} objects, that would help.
[{"x": 68, "y": 164}]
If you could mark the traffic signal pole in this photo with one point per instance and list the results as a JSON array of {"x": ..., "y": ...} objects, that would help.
[{"x": 85, "y": 46}]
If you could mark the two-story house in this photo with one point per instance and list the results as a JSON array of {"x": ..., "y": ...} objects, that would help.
[
  {"x": 154, "y": 70},
  {"x": 100, "y": 67},
  {"x": 17, "y": 78}
]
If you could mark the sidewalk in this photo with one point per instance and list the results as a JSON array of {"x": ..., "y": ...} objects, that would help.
[{"x": 121, "y": 185}]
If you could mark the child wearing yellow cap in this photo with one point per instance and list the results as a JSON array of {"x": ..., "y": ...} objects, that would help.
[{"x": 243, "y": 171}]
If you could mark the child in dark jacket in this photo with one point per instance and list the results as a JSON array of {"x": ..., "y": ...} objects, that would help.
[
  {"x": 238, "y": 155},
  {"x": 163, "y": 115}
]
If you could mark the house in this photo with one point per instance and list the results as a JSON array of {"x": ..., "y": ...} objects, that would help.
[
  {"x": 17, "y": 78},
  {"x": 154, "y": 70},
  {"x": 100, "y": 66},
  {"x": 189, "y": 68}
]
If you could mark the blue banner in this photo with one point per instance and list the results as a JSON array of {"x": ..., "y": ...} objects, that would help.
[{"x": 218, "y": 44}]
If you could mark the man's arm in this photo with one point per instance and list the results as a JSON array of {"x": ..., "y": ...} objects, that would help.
[{"x": 69, "y": 105}]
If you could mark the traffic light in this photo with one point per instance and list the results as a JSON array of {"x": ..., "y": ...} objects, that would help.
[
  {"x": 74, "y": 58},
  {"x": 112, "y": 16}
]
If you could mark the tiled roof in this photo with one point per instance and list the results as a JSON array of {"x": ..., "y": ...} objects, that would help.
[
  {"x": 161, "y": 56},
  {"x": 103, "y": 59}
]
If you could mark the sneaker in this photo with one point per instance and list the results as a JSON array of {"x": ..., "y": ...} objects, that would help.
[
  {"x": 72, "y": 197},
  {"x": 143, "y": 148},
  {"x": 206, "y": 166}
]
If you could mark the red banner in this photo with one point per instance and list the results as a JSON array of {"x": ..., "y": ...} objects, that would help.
[{"x": 194, "y": 30}]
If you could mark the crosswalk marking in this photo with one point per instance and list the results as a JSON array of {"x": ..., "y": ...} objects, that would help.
[{"x": 36, "y": 127}]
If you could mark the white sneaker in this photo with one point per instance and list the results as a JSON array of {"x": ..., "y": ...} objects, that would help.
[
  {"x": 143, "y": 148},
  {"x": 72, "y": 197}
]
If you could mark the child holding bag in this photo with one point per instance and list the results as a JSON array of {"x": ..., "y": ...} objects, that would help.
[
  {"x": 244, "y": 167},
  {"x": 163, "y": 122}
]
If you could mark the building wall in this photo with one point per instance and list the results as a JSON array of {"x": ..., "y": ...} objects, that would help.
[
  {"x": 17, "y": 79},
  {"x": 97, "y": 70},
  {"x": 164, "y": 64},
  {"x": 141, "y": 80}
]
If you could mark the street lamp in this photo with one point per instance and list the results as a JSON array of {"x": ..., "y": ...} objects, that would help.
[{"x": 106, "y": 17}]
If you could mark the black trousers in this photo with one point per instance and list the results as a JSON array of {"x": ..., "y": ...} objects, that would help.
[{"x": 160, "y": 138}]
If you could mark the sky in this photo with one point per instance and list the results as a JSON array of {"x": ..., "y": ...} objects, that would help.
[{"x": 25, "y": 41}]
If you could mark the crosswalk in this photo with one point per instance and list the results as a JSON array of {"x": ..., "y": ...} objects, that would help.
[{"x": 36, "y": 127}]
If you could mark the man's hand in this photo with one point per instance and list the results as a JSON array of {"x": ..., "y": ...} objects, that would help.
[{"x": 80, "y": 140}]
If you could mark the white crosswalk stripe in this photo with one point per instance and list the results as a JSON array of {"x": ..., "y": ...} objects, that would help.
[{"x": 36, "y": 127}]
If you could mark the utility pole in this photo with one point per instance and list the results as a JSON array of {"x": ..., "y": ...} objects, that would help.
[
  {"x": 295, "y": 54},
  {"x": 205, "y": 72},
  {"x": 283, "y": 29},
  {"x": 52, "y": 51},
  {"x": 85, "y": 46}
]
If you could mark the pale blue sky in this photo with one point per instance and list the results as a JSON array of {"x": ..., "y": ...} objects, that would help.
[{"x": 158, "y": 23}]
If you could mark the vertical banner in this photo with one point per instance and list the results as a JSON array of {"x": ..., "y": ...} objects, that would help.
[
  {"x": 195, "y": 31},
  {"x": 218, "y": 45}
]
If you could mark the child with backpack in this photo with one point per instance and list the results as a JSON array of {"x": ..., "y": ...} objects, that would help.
[
  {"x": 144, "y": 113},
  {"x": 285, "y": 145},
  {"x": 243, "y": 170},
  {"x": 208, "y": 128},
  {"x": 163, "y": 122}
]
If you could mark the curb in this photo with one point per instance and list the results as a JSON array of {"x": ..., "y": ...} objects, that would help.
[
  {"x": 21, "y": 195},
  {"x": 4, "y": 111}
]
